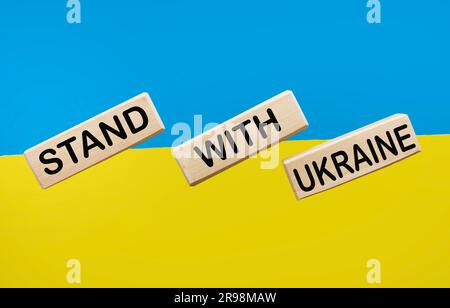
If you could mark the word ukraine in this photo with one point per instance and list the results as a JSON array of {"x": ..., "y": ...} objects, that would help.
[
  {"x": 351, "y": 156},
  {"x": 95, "y": 140},
  {"x": 241, "y": 137}
]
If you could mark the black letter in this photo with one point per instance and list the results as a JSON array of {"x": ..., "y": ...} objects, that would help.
[
  {"x": 402, "y": 138},
  {"x": 69, "y": 148},
  {"x": 210, "y": 146},
  {"x": 105, "y": 128},
  {"x": 95, "y": 143},
  {"x": 231, "y": 141},
  {"x": 46, "y": 161},
  {"x": 380, "y": 143},
  {"x": 300, "y": 182},
  {"x": 272, "y": 120},
  {"x": 357, "y": 150},
  {"x": 372, "y": 150},
  {"x": 343, "y": 163},
  {"x": 133, "y": 129},
  {"x": 323, "y": 170},
  {"x": 244, "y": 131}
]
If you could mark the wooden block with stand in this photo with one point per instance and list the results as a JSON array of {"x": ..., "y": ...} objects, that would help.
[{"x": 95, "y": 140}]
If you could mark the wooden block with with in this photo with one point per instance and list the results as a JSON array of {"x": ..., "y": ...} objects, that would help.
[
  {"x": 241, "y": 137},
  {"x": 95, "y": 140},
  {"x": 352, "y": 156}
]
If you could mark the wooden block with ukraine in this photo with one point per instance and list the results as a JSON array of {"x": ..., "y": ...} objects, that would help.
[{"x": 352, "y": 155}]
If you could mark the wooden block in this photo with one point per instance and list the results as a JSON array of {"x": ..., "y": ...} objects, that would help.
[
  {"x": 352, "y": 156},
  {"x": 95, "y": 140},
  {"x": 241, "y": 137}
]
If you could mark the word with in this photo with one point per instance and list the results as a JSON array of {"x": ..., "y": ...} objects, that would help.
[
  {"x": 269, "y": 158},
  {"x": 240, "y": 138},
  {"x": 227, "y": 136},
  {"x": 95, "y": 140},
  {"x": 352, "y": 156}
]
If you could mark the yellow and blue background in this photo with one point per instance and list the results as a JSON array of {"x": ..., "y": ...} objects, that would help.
[{"x": 134, "y": 221}]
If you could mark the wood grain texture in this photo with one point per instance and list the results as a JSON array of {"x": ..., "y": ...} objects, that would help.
[
  {"x": 95, "y": 140},
  {"x": 352, "y": 155},
  {"x": 241, "y": 137}
]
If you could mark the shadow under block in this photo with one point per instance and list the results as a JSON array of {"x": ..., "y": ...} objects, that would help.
[
  {"x": 241, "y": 137},
  {"x": 352, "y": 156},
  {"x": 95, "y": 140}
]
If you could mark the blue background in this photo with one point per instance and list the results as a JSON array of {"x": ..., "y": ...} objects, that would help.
[{"x": 219, "y": 58}]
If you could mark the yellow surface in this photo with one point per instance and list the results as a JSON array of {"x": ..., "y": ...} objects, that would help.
[{"x": 134, "y": 221}]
